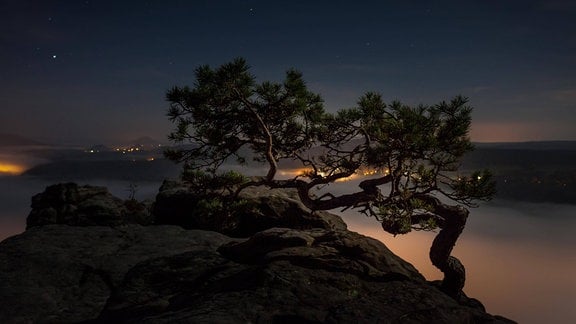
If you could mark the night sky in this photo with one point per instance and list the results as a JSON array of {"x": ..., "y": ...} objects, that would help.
[{"x": 97, "y": 71}]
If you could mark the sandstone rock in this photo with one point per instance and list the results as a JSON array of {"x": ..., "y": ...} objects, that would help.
[
  {"x": 165, "y": 274},
  {"x": 285, "y": 276},
  {"x": 312, "y": 270},
  {"x": 342, "y": 251},
  {"x": 63, "y": 274},
  {"x": 283, "y": 208},
  {"x": 176, "y": 204},
  {"x": 68, "y": 203}
]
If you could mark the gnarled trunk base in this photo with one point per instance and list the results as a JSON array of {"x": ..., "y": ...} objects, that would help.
[{"x": 451, "y": 228}]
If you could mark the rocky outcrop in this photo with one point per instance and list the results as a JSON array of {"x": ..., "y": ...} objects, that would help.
[
  {"x": 71, "y": 204},
  {"x": 64, "y": 274},
  {"x": 165, "y": 274},
  {"x": 59, "y": 273},
  {"x": 318, "y": 248},
  {"x": 285, "y": 276},
  {"x": 176, "y": 205}
]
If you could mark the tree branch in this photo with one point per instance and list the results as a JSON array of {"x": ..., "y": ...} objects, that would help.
[{"x": 269, "y": 148}]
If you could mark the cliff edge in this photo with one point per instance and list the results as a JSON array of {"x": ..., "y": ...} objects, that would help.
[{"x": 89, "y": 257}]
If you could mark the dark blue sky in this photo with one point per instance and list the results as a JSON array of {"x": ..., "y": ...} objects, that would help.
[{"x": 96, "y": 71}]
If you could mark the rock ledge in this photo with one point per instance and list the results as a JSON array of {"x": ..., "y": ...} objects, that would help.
[{"x": 69, "y": 268}]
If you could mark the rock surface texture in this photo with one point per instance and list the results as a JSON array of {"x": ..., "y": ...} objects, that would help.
[
  {"x": 64, "y": 274},
  {"x": 71, "y": 204},
  {"x": 175, "y": 205},
  {"x": 59, "y": 273}
]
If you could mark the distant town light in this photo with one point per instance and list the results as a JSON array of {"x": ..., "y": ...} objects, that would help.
[{"x": 10, "y": 168}]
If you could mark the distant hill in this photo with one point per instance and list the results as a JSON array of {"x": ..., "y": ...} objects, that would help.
[
  {"x": 17, "y": 140},
  {"x": 534, "y": 171},
  {"x": 541, "y": 145},
  {"x": 145, "y": 141}
]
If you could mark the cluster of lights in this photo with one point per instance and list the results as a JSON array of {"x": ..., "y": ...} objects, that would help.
[
  {"x": 124, "y": 150},
  {"x": 359, "y": 173},
  {"x": 127, "y": 150},
  {"x": 477, "y": 178},
  {"x": 369, "y": 172}
]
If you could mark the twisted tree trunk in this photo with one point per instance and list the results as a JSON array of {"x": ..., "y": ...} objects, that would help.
[{"x": 454, "y": 220}]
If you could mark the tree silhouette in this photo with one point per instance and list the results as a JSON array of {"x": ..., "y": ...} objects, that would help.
[{"x": 412, "y": 154}]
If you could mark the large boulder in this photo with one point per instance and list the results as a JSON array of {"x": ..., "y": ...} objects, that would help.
[
  {"x": 64, "y": 274},
  {"x": 285, "y": 276},
  {"x": 176, "y": 204},
  {"x": 71, "y": 204},
  {"x": 341, "y": 251}
]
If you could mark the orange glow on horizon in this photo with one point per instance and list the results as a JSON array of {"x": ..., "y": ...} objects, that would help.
[
  {"x": 11, "y": 168},
  {"x": 515, "y": 131}
]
